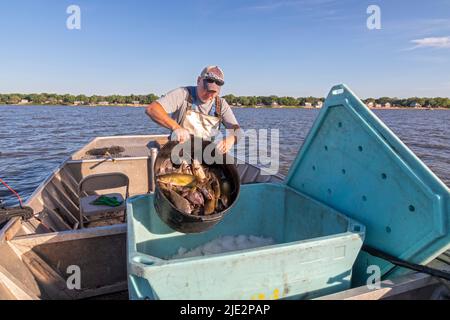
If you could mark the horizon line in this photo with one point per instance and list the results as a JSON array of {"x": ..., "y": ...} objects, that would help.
[{"x": 270, "y": 95}]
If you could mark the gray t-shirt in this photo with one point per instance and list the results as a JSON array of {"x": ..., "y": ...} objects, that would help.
[{"x": 175, "y": 103}]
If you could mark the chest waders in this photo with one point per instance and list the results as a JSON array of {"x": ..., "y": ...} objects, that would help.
[{"x": 201, "y": 125}]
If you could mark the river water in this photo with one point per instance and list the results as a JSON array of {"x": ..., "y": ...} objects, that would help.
[{"x": 34, "y": 140}]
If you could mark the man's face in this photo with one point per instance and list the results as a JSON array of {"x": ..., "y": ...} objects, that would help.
[{"x": 203, "y": 94}]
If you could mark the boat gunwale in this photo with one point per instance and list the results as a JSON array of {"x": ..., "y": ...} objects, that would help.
[{"x": 31, "y": 240}]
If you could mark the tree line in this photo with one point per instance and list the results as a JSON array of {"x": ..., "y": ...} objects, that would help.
[
  {"x": 268, "y": 101},
  {"x": 271, "y": 100},
  {"x": 410, "y": 102},
  {"x": 68, "y": 99},
  {"x": 291, "y": 101}
]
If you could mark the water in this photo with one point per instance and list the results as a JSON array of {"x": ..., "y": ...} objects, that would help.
[{"x": 34, "y": 140}]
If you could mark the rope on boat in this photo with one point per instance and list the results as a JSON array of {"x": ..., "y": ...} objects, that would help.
[
  {"x": 13, "y": 191},
  {"x": 405, "y": 264},
  {"x": 7, "y": 213}
]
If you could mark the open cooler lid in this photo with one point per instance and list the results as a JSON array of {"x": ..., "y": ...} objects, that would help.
[{"x": 352, "y": 162}]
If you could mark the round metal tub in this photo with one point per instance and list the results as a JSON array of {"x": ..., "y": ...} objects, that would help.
[{"x": 181, "y": 221}]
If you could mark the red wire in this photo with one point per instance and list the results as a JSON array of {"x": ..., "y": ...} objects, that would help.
[{"x": 13, "y": 191}]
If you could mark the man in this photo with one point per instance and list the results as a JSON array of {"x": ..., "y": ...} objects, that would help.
[{"x": 197, "y": 111}]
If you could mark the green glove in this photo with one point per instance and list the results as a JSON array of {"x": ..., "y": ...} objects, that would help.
[{"x": 107, "y": 201}]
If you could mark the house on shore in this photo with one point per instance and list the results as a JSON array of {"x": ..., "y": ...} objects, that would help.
[
  {"x": 415, "y": 105},
  {"x": 387, "y": 105},
  {"x": 103, "y": 103},
  {"x": 318, "y": 105},
  {"x": 24, "y": 101},
  {"x": 370, "y": 104},
  {"x": 308, "y": 104}
]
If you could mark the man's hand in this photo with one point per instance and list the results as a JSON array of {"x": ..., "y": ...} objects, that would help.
[
  {"x": 181, "y": 135},
  {"x": 225, "y": 145}
]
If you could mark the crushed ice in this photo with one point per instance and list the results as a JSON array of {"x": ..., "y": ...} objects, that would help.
[{"x": 224, "y": 244}]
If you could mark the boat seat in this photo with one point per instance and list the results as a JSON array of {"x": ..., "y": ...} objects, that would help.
[
  {"x": 91, "y": 210},
  {"x": 96, "y": 182}
]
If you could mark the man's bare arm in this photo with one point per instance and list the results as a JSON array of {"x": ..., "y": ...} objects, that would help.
[{"x": 157, "y": 113}]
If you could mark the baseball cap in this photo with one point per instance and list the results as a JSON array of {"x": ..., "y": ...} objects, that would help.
[{"x": 213, "y": 78}]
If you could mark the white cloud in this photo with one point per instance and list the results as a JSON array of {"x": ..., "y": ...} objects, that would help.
[{"x": 433, "y": 42}]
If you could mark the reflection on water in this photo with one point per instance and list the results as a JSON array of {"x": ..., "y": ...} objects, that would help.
[{"x": 35, "y": 140}]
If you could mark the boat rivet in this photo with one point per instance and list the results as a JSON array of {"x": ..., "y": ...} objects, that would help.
[
  {"x": 411, "y": 208},
  {"x": 364, "y": 198},
  {"x": 326, "y": 148},
  {"x": 314, "y": 168},
  {"x": 340, "y": 124},
  {"x": 360, "y": 148},
  {"x": 388, "y": 229},
  {"x": 384, "y": 176},
  {"x": 343, "y": 171}
]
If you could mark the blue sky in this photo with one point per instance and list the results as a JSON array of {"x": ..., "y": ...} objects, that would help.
[{"x": 285, "y": 47}]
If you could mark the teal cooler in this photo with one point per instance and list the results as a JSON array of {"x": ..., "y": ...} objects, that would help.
[{"x": 313, "y": 255}]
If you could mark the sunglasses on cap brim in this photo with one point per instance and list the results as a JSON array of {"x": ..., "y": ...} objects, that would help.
[{"x": 216, "y": 81}]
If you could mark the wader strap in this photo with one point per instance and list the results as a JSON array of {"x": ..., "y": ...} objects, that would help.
[
  {"x": 192, "y": 92},
  {"x": 218, "y": 110},
  {"x": 190, "y": 101}
]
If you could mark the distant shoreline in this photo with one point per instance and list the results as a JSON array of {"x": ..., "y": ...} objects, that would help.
[
  {"x": 75, "y": 105},
  {"x": 313, "y": 108},
  {"x": 234, "y": 107}
]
